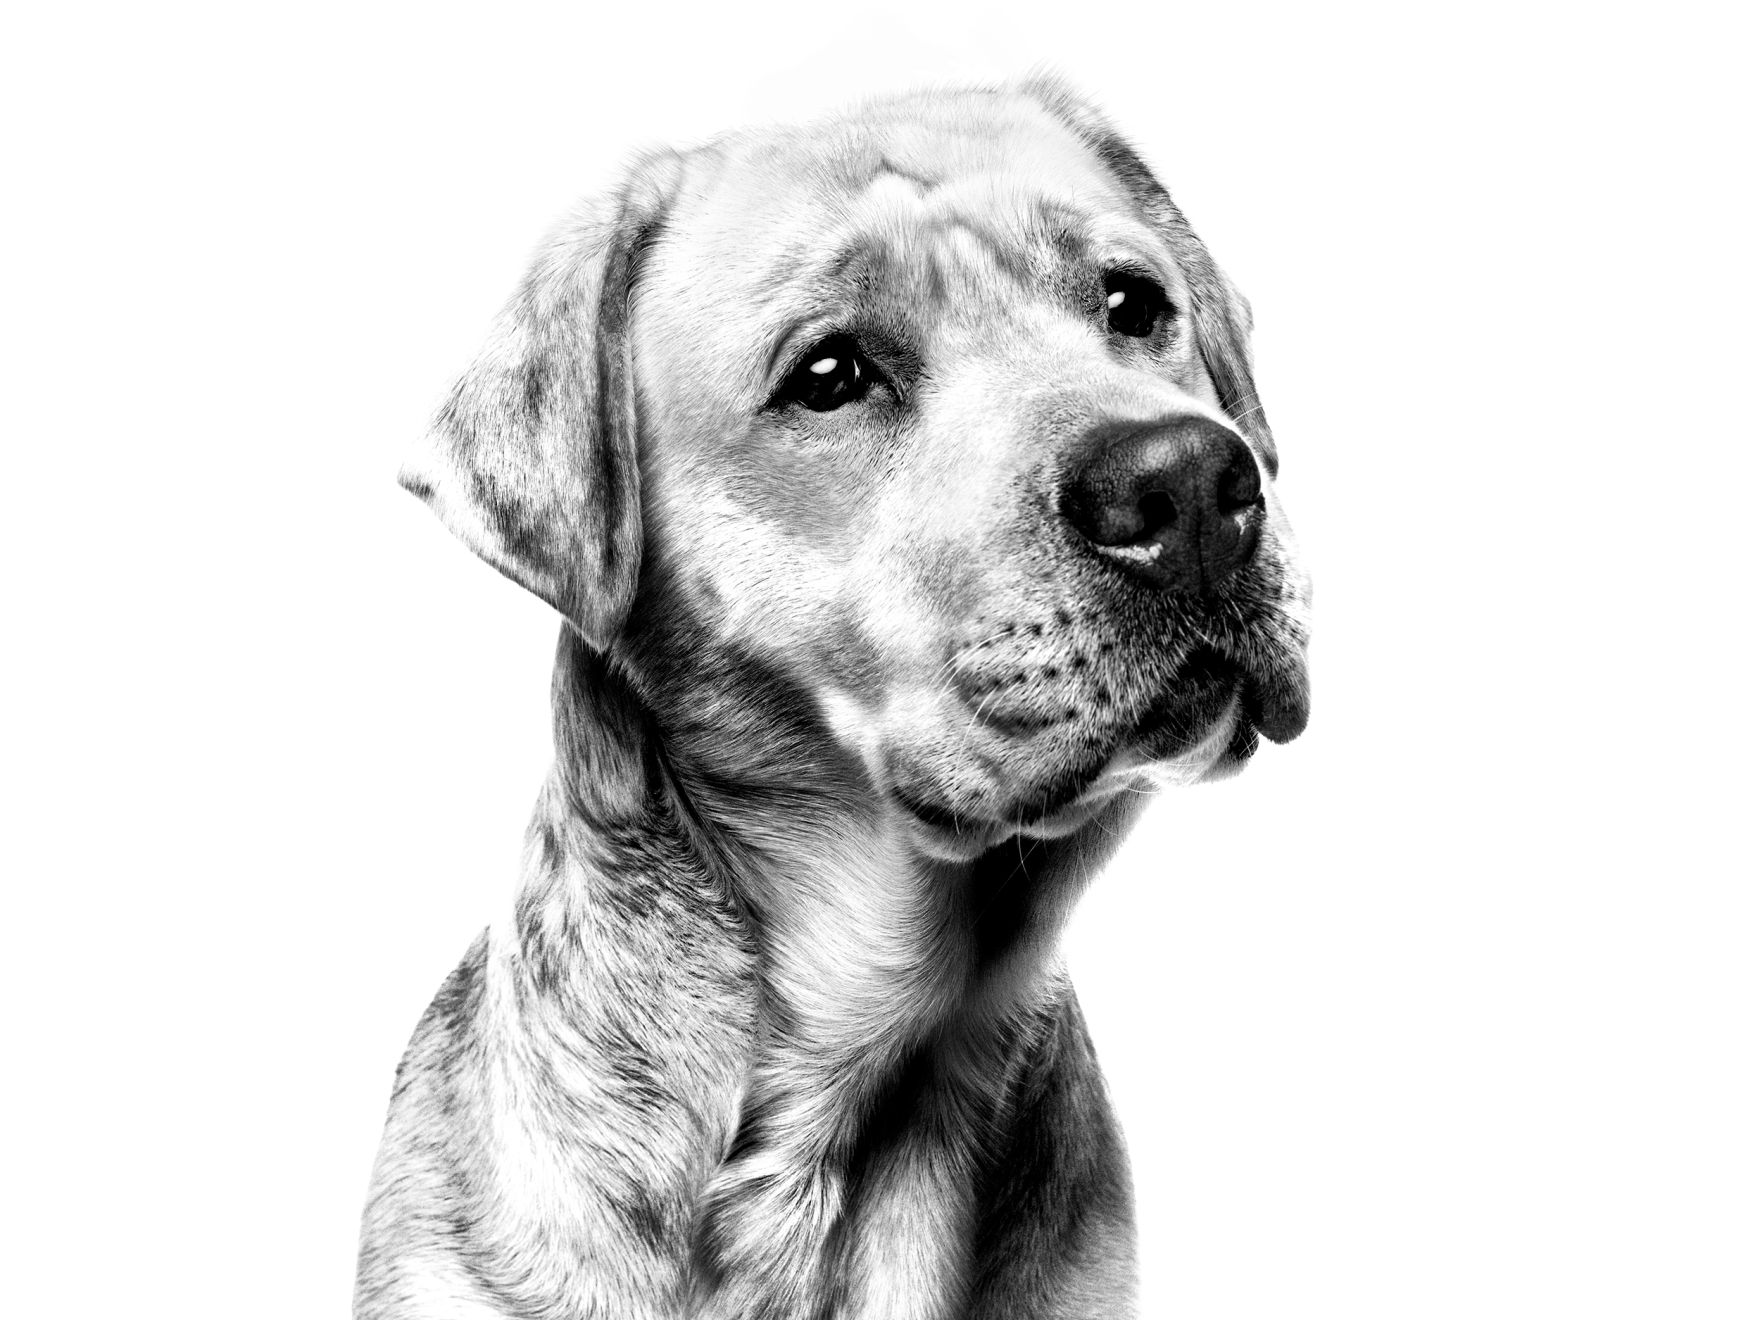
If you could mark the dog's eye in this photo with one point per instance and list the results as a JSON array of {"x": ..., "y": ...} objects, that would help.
[
  {"x": 833, "y": 372},
  {"x": 1135, "y": 304}
]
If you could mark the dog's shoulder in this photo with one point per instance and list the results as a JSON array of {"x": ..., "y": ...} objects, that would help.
[{"x": 413, "y": 1208}]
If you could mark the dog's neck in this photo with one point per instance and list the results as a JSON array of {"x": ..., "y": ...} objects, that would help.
[
  {"x": 771, "y": 816},
  {"x": 821, "y": 977}
]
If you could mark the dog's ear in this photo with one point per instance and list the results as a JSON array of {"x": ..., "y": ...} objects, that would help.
[
  {"x": 1221, "y": 317},
  {"x": 531, "y": 460}
]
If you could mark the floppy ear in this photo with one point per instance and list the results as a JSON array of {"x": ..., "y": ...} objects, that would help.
[
  {"x": 1221, "y": 317},
  {"x": 531, "y": 460}
]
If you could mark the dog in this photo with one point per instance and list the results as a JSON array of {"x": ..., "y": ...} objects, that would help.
[{"x": 903, "y": 486}]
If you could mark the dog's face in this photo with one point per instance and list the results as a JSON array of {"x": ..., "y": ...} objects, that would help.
[{"x": 945, "y": 416}]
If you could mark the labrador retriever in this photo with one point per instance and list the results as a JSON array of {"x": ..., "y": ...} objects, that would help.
[{"x": 902, "y": 484}]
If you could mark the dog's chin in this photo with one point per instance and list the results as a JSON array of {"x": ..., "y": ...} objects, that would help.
[
  {"x": 941, "y": 833},
  {"x": 1207, "y": 730},
  {"x": 946, "y": 835},
  {"x": 1185, "y": 747}
]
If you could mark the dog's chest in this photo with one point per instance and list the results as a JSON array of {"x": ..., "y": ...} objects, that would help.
[
  {"x": 855, "y": 1187},
  {"x": 884, "y": 1235}
]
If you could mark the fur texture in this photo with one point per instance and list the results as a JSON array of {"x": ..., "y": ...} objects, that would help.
[{"x": 846, "y": 717}]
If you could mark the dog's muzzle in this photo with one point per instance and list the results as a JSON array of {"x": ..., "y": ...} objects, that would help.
[{"x": 1177, "y": 508}]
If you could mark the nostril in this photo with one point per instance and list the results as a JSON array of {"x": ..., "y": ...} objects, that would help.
[
  {"x": 1119, "y": 523},
  {"x": 1157, "y": 511},
  {"x": 1238, "y": 486},
  {"x": 1112, "y": 523}
]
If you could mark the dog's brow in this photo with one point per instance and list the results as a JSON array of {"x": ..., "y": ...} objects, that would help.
[
  {"x": 1050, "y": 224},
  {"x": 810, "y": 294},
  {"x": 837, "y": 265},
  {"x": 807, "y": 295}
]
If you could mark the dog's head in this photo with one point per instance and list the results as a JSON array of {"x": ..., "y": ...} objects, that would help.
[{"x": 938, "y": 411}]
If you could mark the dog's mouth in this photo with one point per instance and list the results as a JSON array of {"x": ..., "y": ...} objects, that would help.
[
  {"x": 1205, "y": 723},
  {"x": 1272, "y": 699}
]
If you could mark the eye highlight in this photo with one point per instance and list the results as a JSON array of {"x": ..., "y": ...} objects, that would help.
[
  {"x": 831, "y": 373},
  {"x": 1135, "y": 304}
]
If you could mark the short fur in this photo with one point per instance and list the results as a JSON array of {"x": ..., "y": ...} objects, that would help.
[{"x": 845, "y": 718}]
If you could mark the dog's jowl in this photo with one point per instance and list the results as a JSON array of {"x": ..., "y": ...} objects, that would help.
[{"x": 902, "y": 485}]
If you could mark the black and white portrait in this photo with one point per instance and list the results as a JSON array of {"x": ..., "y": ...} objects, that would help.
[{"x": 930, "y": 664}]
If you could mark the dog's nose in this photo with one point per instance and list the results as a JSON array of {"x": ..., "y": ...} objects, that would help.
[{"x": 1177, "y": 504}]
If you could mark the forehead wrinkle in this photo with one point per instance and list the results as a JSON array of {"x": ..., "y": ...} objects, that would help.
[{"x": 925, "y": 239}]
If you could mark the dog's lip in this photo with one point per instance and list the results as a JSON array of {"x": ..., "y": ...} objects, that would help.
[
  {"x": 1272, "y": 684},
  {"x": 1257, "y": 693},
  {"x": 1205, "y": 683},
  {"x": 1275, "y": 698}
]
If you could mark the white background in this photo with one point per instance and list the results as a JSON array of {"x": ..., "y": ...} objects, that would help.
[{"x": 1448, "y": 1009}]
